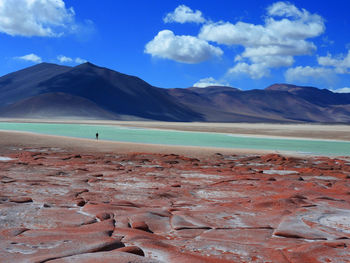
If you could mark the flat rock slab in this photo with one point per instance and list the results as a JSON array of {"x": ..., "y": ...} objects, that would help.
[
  {"x": 42, "y": 245},
  {"x": 105, "y": 257},
  {"x": 316, "y": 223},
  {"x": 58, "y": 206},
  {"x": 279, "y": 172}
]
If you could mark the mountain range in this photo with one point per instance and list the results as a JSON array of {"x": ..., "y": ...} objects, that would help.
[{"x": 88, "y": 91}]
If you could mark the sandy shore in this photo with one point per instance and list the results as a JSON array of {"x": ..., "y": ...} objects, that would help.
[
  {"x": 310, "y": 131},
  {"x": 15, "y": 140},
  {"x": 10, "y": 140}
]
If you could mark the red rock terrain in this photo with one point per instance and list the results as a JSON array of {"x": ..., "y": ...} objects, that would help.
[{"x": 60, "y": 207}]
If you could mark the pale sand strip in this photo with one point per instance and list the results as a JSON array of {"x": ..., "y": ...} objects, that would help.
[
  {"x": 10, "y": 140},
  {"x": 310, "y": 131}
]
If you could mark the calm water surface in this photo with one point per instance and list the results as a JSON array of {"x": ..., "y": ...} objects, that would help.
[{"x": 206, "y": 139}]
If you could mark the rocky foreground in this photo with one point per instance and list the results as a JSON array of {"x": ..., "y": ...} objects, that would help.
[{"x": 58, "y": 206}]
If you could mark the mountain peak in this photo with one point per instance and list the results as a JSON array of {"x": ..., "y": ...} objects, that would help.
[
  {"x": 45, "y": 65},
  {"x": 281, "y": 87},
  {"x": 288, "y": 87},
  {"x": 88, "y": 64}
]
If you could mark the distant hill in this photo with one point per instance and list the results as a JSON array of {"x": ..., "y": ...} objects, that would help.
[
  {"x": 277, "y": 103},
  {"x": 91, "y": 92},
  {"x": 321, "y": 97}
]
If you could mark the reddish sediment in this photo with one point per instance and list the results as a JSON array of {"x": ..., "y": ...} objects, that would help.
[{"x": 58, "y": 206}]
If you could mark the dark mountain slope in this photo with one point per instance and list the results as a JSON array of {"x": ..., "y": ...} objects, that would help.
[
  {"x": 119, "y": 93},
  {"x": 56, "y": 105},
  {"x": 24, "y": 83},
  {"x": 272, "y": 105},
  {"x": 110, "y": 91},
  {"x": 321, "y": 97}
]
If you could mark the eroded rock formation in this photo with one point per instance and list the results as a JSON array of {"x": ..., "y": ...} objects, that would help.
[{"x": 58, "y": 207}]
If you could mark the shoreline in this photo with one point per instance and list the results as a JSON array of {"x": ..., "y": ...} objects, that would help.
[
  {"x": 20, "y": 139},
  {"x": 331, "y": 132}
]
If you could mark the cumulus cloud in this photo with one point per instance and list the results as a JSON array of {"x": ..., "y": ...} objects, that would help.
[
  {"x": 342, "y": 90},
  {"x": 329, "y": 67},
  {"x": 341, "y": 63},
  {"x": 186, "y": 49},
  {"x": 305, "y": 74},
  {"x": 31, "y": 57},
  {"x": 273, "y": 61},
  {"x": 64, "y": 59},
  {"x": 283, "y": 35},
  {"x": 206, "y": 82},
  {"x": 183, "y": 14},
  {"x": 47, "y": 18},
  {"x": 80, "y": 60},
  {"x": 284, "y": 9},
  {"x": 255, "y": 71}
]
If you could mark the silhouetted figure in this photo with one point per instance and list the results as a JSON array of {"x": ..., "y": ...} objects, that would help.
[{"x": 96, "y": 135}]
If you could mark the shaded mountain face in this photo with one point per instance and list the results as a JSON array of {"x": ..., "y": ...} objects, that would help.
[
  {"x": 25, "y": 83},
  {"x": 88, "y": 91},
  {"x": 119, "y": 93},
  {"x": 56, "y": 105},
  {"x": 313, "y": 95},
  {"x": 277, "y": 103},
  {"x": 111, "y": 91}
]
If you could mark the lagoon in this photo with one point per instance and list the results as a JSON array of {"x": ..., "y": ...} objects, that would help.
[{"x": 185, "y": 138}]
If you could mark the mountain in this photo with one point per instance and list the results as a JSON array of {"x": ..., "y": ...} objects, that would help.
[
  {"x": 117, "y": 95},
  {"x": 321, "y": 97},
  {"x": 277, "y": 103},
  {"x": 24, "y": 83},
  {"x": 88, "y": 91},
  {"x": 56, "y": 105}
]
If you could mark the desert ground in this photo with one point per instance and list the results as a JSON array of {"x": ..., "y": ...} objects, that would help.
[{"x": 79, "y": 200}]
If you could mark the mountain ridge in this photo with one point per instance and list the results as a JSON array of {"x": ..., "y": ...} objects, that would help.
[{"x": 91, "y": 91}]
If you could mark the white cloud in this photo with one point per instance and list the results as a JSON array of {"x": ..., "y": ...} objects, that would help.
[
  {"x": 329, "y": 67},
  {"x": 186, "y": 49},
  {"x": 183, "y": 14},
  {"x": 296, "y": 24},
  {"x": 272, "y": 44},
  {"x": 273, "y": 61},
  {"x": 305, "y": 74},
  {"x": 255, "y": 71},
  {"x": 284, "y": 9},
  {"x": 80, "y": 60},
  {"x": 341, "y": 63},
  {"x": 232, "y": 34},
  {"x": 31, "y": 57},
  {"x": 342, "y": 90},
  {"x": 206, "y": 82},
  {"x": 64, "y": 59},
  {"x": 28, "y": 18}
]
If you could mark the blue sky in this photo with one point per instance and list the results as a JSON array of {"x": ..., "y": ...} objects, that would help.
[{"x": 176, "y": 44}]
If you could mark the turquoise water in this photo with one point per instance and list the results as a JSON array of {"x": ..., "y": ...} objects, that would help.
[{"x": 206, "y": 139}]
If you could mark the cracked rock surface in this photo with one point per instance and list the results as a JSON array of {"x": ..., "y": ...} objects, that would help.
[{"x": 58, "y": 206}]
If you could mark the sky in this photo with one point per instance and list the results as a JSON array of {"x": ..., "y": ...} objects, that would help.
[{"x": 247, "y": 44}]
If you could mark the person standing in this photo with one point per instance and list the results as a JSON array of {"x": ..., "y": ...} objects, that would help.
[{"x": 96, "y": 135}]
